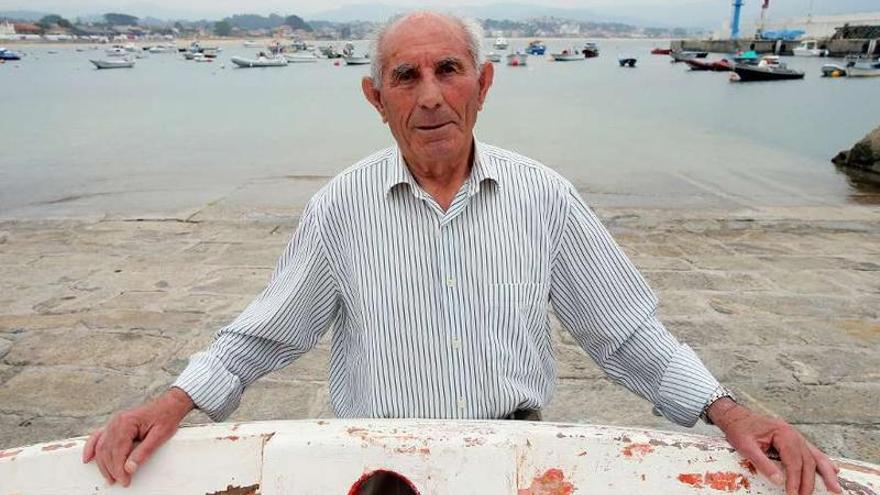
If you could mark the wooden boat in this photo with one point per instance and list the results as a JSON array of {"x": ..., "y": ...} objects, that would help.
[
  {"x": 769, "y": 69},
  {"x": 722, "y": 65},
  {"x": 414, "y": 457},
  {"x": 626, "y": 61},
  {"x": 113, "y": 64},
  {"x": 261, "y": 62},
  {"x": 661, "y": 51}
]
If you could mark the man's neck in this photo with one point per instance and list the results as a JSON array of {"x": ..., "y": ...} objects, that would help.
[{"x": 443, "y": 180}]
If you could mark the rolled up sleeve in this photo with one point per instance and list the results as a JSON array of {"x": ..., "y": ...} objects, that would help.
[
  {"x": 281, "y": 324},
  {"x": 603, "y": 301}
]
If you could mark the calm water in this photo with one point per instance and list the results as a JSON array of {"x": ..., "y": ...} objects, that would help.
[{"x": 171, "y": 135}]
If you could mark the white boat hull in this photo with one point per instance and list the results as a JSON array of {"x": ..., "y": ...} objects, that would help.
[
  {"x": 433, "y": 457},
  {"x": 356, "y": 60},
  {"x": 567, "y": 57},
  {"x": 301, "y": 58},
  {"x": 859, "y": 72},
  {"x": 113, "y": 64},
  {"x": 247, "y": 63},
  {"x": 810, "y": 52}
]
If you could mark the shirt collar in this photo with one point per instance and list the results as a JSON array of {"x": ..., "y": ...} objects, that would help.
[{"x": 482, "y": 169}]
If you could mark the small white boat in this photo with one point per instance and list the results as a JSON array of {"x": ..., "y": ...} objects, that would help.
[
  {"x": 517, "y": 59},
  {"x": 159, "y": 49},
  {"x": 130, "y": 48},
  {"x": 356, "y": 60},
  {"x": 864, "y": 69},
  {"x": 250, "y": 43},
  {"x": 407, "y": 457},
  {"x": 569, "y": 55},
  {"x": 833, "y": 70},
  {"x": 248, "y": 63},
  {"x": 113, "y": 64},
  {"x": 500, "y": 44},
  {"x": 493, "y": 57},
  {"x": 117, "y": 51},
  {"x": 300, "y": 57},
  {"x": 810, "y": 48},
  {"x": 200, "y": 57}
]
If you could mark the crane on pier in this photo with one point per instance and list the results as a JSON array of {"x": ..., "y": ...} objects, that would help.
[{"x": 734, "y": 25}]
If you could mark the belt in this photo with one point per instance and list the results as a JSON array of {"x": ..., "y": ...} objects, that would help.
[{"x": 525, "y": 415}]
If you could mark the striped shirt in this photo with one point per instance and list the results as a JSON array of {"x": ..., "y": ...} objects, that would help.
[{"x": 444, "y": 314}]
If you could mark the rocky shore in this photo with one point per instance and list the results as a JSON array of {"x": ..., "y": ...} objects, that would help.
[
  {"x": 864, "y": 156},
  {"x": 783, "y": 304}
]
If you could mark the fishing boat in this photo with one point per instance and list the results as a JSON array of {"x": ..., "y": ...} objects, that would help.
[
  {"x": 722, "y": 65},
  {"x": 493, "y": 57},
  {"x": 350, "y": 58},
  {"x": 833, "y": 70},
  {"x": 567, "y": 55},
  {"x": 517, "y": 59},
  {"x": 749, "y": 56},
  {"x": 864, "y": 69},
  {"x": 500, "y": 44},
  {"x": 627, "y": 61},
  {"x": 113, "y": 64},
  {"x": 809, "y": 48},
  {"x": 590, "y": 50},
  {"x": 260, "y": 62},
  {"x": 409, "y": 457},
  {"x": 536, "y": 48},
  {"x": 9, "y": 55},
  {"x": 768, "y": 69},
  {"x": 661, "y": 51},
  {"x": 681, "y": 56},
  {"x": 301, "y": 57}
]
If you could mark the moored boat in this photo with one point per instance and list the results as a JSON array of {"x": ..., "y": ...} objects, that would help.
[
  {"x": 113, "y": 64},
  {"x": 352, "y": 60},
  {"x": 567, "y": 55},
  {"x": 517, "y": 59},
  {"x": 722, "y": 65},
  {"x": 493, "y": 57},
  {"x": 864, "y": 69},
  {"x": 260, "y": 62},
  {"x": 500, "y": 43},
  {"x": 590, "y": 50},
  {"x": 661, "y": 51},
  {"x": 300, "y": 57},
  {"x": 769, "y": 69},
  {"x": 627, "y": 61},
  {"x": 746, "y": 57},
  {"x": 809, "y": 48},
  {"x": 536, "y": 48},
  {"x": 833, "y": 70},
  {"x": 681, "y": 56},
  {"x": 9, "y": 55},
  {"x": 415, "y": 456}
]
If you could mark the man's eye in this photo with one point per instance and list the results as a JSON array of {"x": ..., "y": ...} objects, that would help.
[{"x": 447, "y": 69}]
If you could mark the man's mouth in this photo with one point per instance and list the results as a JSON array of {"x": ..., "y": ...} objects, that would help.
[{"x": 432, "y": 127}]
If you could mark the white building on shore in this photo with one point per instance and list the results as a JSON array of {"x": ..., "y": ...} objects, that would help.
[
  {"x": 7, "y": 31},
  {"x": 819, "y": 26}
]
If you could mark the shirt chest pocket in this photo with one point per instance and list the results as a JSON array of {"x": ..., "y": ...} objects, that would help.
[{"x": 517, "y": 311}]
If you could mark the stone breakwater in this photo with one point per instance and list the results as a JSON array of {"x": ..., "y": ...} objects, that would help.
[{"x": 782, "y": 304}]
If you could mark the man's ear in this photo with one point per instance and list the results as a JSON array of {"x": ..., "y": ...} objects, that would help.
[
  {"x": 487, "y": 75},
  {"x": 372, "y": 95}
]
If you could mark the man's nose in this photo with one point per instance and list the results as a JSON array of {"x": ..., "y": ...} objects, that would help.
[{"x": 430, "y": 94}]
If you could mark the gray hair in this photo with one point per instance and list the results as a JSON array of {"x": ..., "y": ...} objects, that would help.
[{"x": 472, "y": 30}]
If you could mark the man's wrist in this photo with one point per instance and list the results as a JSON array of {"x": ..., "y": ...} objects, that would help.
[
  {"x": 179, "y": 400},
  {"x": 720, "y": 401},
  {"x": 718, "y": 410}
]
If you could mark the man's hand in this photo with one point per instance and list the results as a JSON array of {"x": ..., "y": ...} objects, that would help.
[
  {"x": 752, "y": 435},
  {"x": 131, "y": 436}
]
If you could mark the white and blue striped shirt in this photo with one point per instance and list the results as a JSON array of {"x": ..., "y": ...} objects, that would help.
[{"x": 444, "y": 314}]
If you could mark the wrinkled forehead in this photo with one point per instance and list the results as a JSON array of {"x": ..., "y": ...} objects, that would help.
[{"x": 424, "y": 40}]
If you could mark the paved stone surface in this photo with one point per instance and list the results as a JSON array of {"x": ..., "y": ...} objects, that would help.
[{"x": 783, "y": 305}]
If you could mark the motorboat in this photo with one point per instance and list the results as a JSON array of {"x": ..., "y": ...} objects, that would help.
[
  {"x": 682, "y": 55},
  {"x": 536, "y": 48},
  {"x": 768, "y": 69},
  {"x": 722, "y": 65},
  {"x": 116, "y": 51},
  {"x": 834, "y": 70},
  {"x": 500, "y": 44},
  {"x": 300, "y": 57},
  {"x": 200, "y": 57},
  {"x": 627, "y": 61},
  {"x": 567, "y": 55},
  {"x": 328, "y": 51},
  {"x": 249, "y": 44},
  {"x": 114, "y": 64},
  {"x": 661, "y": 51},
  {"x": 159, "y": 49},
  {"x": 517, "y": 59},
  {"x": 864, "y": 69},
  {"x": 810, "y": 48},
  {"x": 260, "y": 62},
  {"x": 350, "y": 58},
  {"x": 9, "y": 55},
  {"x": 493, "y": 57},
  {"x": 407, "y": 457},
  {"x": 590, "y": 50}
]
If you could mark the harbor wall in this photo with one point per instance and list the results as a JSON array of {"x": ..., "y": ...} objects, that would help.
[{"x": 837, "y": 47}]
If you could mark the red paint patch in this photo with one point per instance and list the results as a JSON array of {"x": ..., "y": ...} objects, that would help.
[
  {"x": 640, "y": 450},
  {"x": 552, "y": 482},
  {"x": 693, "y": 479},
  {"x": 9, "y": 453},
  {"x": 748, "y": 465},
  {"x": 57, "y": 446}
]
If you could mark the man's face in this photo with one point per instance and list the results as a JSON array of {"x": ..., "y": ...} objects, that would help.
[{"x": 430, "y": 91}]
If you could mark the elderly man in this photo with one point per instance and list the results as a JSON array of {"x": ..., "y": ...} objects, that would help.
[{"x": 436, "y": 261}]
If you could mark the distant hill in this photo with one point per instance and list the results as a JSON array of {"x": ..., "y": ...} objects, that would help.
[{"x": 23, "y": 15}]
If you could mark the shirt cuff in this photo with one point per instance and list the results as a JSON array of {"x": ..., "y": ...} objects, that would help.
[
  {"x": 212, "y": 388},
  {"x": 685, "y": 388}
]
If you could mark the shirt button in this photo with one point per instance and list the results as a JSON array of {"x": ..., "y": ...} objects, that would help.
[
  {"x": 450, "y": 282},
  {"x": 462, "y": 404},
  {"x": 456, "y": 343}
]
